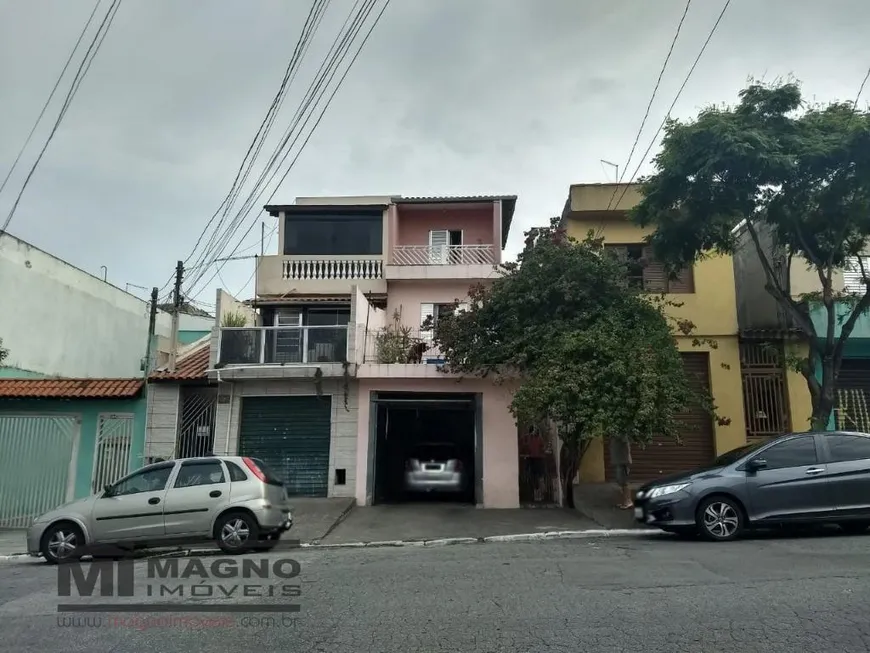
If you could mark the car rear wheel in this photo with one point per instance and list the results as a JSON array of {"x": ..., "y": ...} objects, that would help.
[
  {"x": 854, "y": 527},
  {"x": 720, "y": 519},
  {"x": 59, "y": 543},
  {"x": 236, "y": 532}
]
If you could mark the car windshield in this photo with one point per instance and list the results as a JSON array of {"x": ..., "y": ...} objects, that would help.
[
  {"x": 736, "y": 454},
  {"x": 438, "y": 452}
]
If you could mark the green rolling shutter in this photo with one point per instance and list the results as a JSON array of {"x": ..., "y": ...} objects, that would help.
[{"x": 291, "y": 435}]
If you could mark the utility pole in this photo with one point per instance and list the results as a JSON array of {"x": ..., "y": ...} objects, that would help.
[
  {"x": 176, "y": 309},
  {"x": 152, "y": 325}
]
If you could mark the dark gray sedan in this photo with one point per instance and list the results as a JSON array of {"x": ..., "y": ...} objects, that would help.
[{"x": 800, "y": 478}]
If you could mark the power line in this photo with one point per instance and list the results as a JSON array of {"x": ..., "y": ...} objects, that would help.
[
  {"x": 50, "y": 96},
  {"x": 860, "y": 90},
  {"x": 90, "y": 54},
  {"x": 309, "y": 27},
  {"x": 333, "y": 59},
  {"x": 319, "y": 118},
  {"x": 651, "y": 99},
  {"x": 674, "y": 103}
]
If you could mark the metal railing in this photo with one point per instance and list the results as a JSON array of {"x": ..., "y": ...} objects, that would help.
[
  {"x": 282, "y": 345},
  {"x": 328, "y": 269},
  {"x": 443, "y": 255},
  {"x": 402, "y": 345}
]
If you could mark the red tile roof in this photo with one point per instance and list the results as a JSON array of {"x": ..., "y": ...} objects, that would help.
[
  {"x": 70, "y": 388},
  {"x": 191, "y": 366}
]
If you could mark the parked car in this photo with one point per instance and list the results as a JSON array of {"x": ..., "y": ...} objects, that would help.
[
  {"x": 800, "y": 478},
  {"x": 434, "y": 467},
  {"x": 237, "y": 502}
]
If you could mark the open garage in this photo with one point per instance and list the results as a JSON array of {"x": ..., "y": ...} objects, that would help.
[{"x": 427, "y": 447}]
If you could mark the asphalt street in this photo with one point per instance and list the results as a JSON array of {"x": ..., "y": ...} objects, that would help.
[{"x": 618, "y": 594}]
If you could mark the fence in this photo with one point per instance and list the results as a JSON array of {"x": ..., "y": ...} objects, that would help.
[
  {"x": 282, "y": 345},
  {"x": 402, "y": 345},
  {"x": 443, "y": 255}
]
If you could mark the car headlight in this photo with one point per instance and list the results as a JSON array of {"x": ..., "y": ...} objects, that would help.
[{"x": 664, "y": 490}]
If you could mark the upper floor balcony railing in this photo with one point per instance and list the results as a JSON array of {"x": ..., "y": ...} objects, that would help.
[
  {"x": 280, "y": 274},
  {"x": 443, "y": 255},
  {"x": 403, "y": 345},
  {"x": 282, "y": 345}
]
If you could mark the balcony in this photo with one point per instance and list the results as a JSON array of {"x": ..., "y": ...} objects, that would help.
[
  {"x": 280, "y": 274},
  {"x": 305, "y": 345},
  {"x": 441, "y": 262}
]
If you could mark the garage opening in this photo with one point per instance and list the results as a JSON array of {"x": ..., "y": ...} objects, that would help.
[{"x": 426, "y": 448}]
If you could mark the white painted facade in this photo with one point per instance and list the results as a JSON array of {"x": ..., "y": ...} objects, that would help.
[{"x": 58, "y": 320}]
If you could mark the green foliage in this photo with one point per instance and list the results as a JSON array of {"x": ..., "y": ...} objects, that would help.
[
  {"x": 234, "y": 320},
  {"x": 797, "y": 174},
  {"x": 3, "y": 352},
  {"x": 393, "y": 343},
  {"x": 591, "y": 354}
]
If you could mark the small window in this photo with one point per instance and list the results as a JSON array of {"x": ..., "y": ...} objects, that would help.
[
  {"x": 147, "y": 480},
  {"x": 193, "y": 474},
  {"x": 844, "y": 448},
  {"x": 798, "y": 452},
  {"x": 236, "y": 473}
]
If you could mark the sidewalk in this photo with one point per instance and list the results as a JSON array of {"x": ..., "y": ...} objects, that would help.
[
  {"x": 313, "y": 519},
  {"x": 437, "y": 521},
  {"x": 597, "y": 501}
]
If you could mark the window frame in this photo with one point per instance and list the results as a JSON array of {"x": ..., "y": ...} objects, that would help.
[
  {"x": 828, "y": 439},
  {"x": 200, "y": 463},
  {"x": 653, "y": 278},
  {"x": 140, "y": 472},
  {"x": 230, "y": 465},
  {"x": 764, "y": 453},
  {"x": 329, "y": 222}
]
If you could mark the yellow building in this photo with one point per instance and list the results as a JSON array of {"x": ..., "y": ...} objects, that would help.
[{"x": 707, "y": 297}]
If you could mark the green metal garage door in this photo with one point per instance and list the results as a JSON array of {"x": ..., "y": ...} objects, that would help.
[{"x": 291, "y": 435}]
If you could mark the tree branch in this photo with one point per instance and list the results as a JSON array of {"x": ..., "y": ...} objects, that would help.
[{"x": 776, "y": 288}]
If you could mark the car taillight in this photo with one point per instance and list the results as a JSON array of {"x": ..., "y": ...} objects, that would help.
[{"x": 255, "y": 470}]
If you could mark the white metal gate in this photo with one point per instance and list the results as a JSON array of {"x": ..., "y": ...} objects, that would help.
[
  {"x": 112, "y": 451},
  {"x": 37, "y": 465}
]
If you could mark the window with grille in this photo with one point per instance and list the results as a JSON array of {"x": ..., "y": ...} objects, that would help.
[{"x": 650, "y": 275}]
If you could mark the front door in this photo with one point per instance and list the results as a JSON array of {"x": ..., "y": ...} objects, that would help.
[
  {"x": 134, "y": 508},
  {"x": 200, "y": 490},
  {"x": 794, "y": 484}
]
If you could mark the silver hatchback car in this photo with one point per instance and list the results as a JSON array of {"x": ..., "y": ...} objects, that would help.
[{"x": 236, "y": 502}]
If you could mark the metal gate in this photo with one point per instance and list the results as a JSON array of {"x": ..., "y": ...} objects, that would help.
[
  {"x": 765, "y": 403},
  {"x": 37, "y": 465},
  {"x": 196, "y": 427},
  {"x": 853, "y": 392},
  {"x": 112, "y": 450}
]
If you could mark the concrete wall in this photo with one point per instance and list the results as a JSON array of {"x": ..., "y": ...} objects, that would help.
[
  {"x": 407, "y": 296},
  {"x": 226, "y": 304},
  {"x": 500, "y": 445},
  {"x": 416, "y": 221},
  {"x": 343, "y": 436}
]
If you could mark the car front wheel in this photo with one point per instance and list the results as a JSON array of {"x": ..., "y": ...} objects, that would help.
[
  {"x": 59, "y": 543},
  {"x": 720, "y": 519},
  {"x": 236, "y": 533}
]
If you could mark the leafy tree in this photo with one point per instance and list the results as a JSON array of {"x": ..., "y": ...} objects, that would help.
[
  {"x": 794, "y": 174},
  {"x": 592, "y": 355}
]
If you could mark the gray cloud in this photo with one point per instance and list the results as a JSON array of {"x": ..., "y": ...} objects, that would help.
[{"x": 449, "y": 96}]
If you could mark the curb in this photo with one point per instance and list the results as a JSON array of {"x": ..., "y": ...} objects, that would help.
[{"x": 591, "y": 533}]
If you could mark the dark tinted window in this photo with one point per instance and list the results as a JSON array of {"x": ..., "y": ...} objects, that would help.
[
  {"x": 236, "y": 473},
  {"x": 848, "y": 447},
  {"x": 147, "y": 480},
  {"x": 192, "y": 474},
  {"x": 734, "y": 455},
  {"x": 333, "y": 234},
  {"x": 791, "y": 453}
]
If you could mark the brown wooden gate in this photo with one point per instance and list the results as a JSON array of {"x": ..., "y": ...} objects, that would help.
[
  {"x": 853, "y": 395},
  {"x": 663, "y": 455}
]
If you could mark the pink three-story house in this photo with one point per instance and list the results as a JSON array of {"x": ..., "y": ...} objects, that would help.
[{"x": 334, "y": 380}]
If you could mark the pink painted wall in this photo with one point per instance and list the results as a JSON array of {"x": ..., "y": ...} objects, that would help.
[
  {"x": 500, "y": 455},
  {"x": 408, "y": 295},
  {"x": 415, "y": 222}
]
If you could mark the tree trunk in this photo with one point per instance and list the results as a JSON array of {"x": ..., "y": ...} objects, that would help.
[
  {"x": 568, "y": 463},
  {"x": 822, "y": 411}
]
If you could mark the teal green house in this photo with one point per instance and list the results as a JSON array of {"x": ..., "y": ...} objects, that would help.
[
  {"x": 62, "y": 439},
  {"x": 852, "y": 411}
]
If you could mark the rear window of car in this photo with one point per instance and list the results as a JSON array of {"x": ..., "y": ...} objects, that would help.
[
  {"x": 236, "y": 473},
  {"x": 434, "y": 452}
]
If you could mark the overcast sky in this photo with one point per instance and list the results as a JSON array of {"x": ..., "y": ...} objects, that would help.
[{"x": 448, "y": 97}]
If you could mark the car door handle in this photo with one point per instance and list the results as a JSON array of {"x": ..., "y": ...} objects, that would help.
[
  {"x": 815, "y": 470},
  {"x": 214, "y": 494},
  {"x": 154, "y": 500}
]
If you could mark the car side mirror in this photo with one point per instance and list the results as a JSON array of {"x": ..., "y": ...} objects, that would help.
[
  {"x": 108, "y": 491},
  {"x": 755, "y": 464}
]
